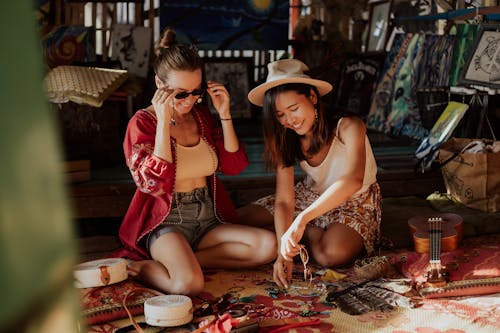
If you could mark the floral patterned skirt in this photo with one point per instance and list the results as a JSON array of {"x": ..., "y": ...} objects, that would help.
[{"x": 362, "y": 212}]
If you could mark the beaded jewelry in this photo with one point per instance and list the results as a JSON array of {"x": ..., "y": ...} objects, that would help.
[{"x": 172, "y": 119}]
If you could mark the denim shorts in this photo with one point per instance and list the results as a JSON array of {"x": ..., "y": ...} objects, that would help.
[{"x": 192, "y": 215}]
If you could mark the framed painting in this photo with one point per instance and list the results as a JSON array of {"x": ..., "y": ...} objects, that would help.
[
  {"x": 482, "y": 67},
  {"x": 378, "y": 25},
  {"x": 234, "y": 74}
]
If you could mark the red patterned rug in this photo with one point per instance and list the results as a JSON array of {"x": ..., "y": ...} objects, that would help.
[{"x": 350, "y": 304}]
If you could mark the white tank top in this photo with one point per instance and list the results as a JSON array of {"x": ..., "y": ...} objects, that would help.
[
  {"x": 320, "y": 177},
  {"x": 194, "y": 162}
]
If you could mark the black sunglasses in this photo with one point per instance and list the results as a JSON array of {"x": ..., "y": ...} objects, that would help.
[{"x": 184, "y": 94}]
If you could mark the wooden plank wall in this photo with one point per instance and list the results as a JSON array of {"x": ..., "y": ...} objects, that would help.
[{"x": 103, "y": 14}]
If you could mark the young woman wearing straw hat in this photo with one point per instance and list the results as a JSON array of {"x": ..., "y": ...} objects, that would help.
[{"x": 335, "y": 210}]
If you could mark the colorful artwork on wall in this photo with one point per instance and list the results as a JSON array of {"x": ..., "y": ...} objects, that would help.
[
  {"x": 67, "y": 45},
  {"x": 428, "y": 149},
  {"x": 466, "y": 34},
  {"x": 43, "y": 14},
  {"x": 228, "y": 24}
]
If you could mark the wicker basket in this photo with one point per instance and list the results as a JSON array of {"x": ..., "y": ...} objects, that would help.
[{"x": 371, "y": 267}]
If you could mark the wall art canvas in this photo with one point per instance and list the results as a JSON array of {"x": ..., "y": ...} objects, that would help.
[
  {"x": 415, "y": 12},
  {"x": 67, "y": 45},
  {"x": 378, "y": 25},
  {"x": 228, "y": 24},
  {"x": 358, "y": 78},
  {"x": 233, "y": 73},
  {"x": 404, "y": 118},
  {"x": 380, "y": 106},
  {"x": 428, "y": 149},
  {"x": 43, "y": 14},
  {"x": 483, "y": 65},
  {"x": 466, "y": 34},
  {"x": 131, "y": 46}
]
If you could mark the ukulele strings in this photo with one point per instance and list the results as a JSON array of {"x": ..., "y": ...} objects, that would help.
[{"x": 435, "y": 239}]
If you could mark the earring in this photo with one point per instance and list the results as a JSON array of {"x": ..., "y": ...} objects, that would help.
[
  {"x": 199, "y": 100},
  {"x": 172, "y": 119}
]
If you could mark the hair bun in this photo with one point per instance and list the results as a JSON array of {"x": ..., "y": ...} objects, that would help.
[{"x": 168, "y": 38}]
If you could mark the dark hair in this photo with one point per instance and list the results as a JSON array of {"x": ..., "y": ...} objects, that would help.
[
  {"x": 171, "y": 56},
  {"x": 282, "y": 145}
]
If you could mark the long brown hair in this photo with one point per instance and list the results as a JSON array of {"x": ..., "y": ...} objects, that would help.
[
  {"x": 171, "y": 56},
  {"x": 282, "y": 145}
]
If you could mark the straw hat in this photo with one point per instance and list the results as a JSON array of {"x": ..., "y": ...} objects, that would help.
[{"x": 286, "y": 71}]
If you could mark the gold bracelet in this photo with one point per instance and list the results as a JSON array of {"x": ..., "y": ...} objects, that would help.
[{"x": 225, "y": 119}]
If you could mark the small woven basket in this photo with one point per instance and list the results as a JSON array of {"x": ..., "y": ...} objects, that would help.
[{"x": 371, "y": 267}]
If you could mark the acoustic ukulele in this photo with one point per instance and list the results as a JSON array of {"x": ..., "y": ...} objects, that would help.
[{"x": 441, "y": 232}]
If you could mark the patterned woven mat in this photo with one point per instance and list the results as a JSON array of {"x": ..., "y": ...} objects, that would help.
[
  {"x": 82, "y": 85},
  {"x": 254, "y": 291}
]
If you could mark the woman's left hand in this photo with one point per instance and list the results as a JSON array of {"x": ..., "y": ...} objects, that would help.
[
  {"x": 220, "y": 99},
  {"x": 291, "y": 238}
]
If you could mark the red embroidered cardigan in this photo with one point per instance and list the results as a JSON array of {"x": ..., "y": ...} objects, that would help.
[{"x": 155, "y": 178}]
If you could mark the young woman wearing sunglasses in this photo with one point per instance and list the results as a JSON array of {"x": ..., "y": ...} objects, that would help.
[{"x": 179, "y": 220}]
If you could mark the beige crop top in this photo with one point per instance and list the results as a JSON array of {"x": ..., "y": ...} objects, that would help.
[
  {"x": 194, "y": 163},
  {"x": 320, "y": 177}
]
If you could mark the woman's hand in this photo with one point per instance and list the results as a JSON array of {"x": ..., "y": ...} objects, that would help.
[
  {"x": 163, "y": 104},
  {"x": 282, "y": 272},
  {"x": 291, "y": 238},
  {"x": 220, "y": 99}
]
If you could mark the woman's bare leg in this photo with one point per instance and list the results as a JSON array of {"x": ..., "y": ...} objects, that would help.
[
  {"x": 174, "y": 268},
  {"x": 256, "y": 216},
  {"x": 337, "y": 245},
  {"x": 236, "y": 246}
]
